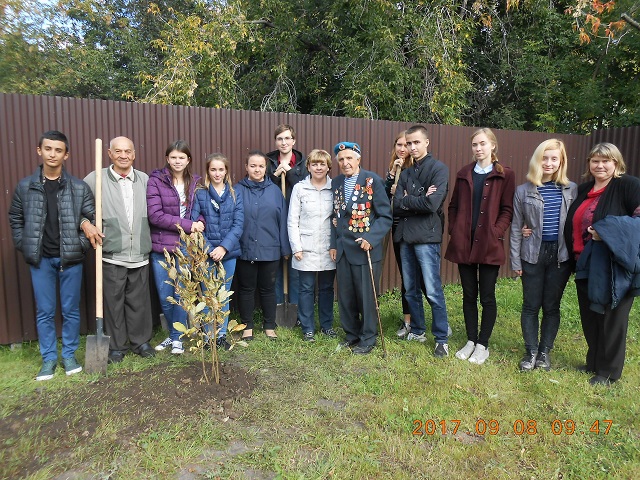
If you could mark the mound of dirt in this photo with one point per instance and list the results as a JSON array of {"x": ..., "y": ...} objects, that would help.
[{"x": 137, "y": 399}]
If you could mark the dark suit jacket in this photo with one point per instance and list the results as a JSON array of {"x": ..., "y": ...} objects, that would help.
[{"x": 369, "y": 218}]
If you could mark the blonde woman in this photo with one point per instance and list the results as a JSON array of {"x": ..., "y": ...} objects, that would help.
[
  {"x": 309, "y": 226},
  {"x": 539, "y": 253}
]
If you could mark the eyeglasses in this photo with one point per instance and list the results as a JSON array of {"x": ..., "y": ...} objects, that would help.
[{"x": 283, "y": 139}]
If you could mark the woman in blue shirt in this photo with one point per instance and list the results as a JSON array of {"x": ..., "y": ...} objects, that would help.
[{"x": 538, "y": 250}]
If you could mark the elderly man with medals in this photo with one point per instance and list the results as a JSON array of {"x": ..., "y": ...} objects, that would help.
[{"x": 362, "y": 217}]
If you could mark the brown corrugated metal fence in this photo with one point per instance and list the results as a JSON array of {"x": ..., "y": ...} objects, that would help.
[{"x": 152, "y": 127}]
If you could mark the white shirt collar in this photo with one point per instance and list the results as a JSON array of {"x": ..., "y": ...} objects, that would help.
[
  {"x": 478, "y": 169},
  {"x": 131, "y": 176}
]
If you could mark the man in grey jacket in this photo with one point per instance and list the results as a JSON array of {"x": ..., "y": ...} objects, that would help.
[{"x": 126, "y": 247}]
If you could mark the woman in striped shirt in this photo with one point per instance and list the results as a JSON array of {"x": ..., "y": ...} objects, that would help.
[{"x": 538, "y": 250}]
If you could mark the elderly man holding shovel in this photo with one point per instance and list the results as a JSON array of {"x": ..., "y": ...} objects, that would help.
[
  {"x": 126, "y": 248},
  {"x": 362, "y": 217}
]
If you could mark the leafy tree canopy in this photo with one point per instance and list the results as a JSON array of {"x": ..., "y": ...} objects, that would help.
[{"x": 521, "y": 64}]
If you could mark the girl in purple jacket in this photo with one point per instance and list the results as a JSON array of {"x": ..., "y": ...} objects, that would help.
[{"x": 170, "y": 196}]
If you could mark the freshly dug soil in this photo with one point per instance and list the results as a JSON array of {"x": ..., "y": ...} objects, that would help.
[{"x": 137, "y": 399}]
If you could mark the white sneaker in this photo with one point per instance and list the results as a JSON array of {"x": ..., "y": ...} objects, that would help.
[
  {"x": 480, "y": 354},
  {"x": 411, "y": 337},
  {"x": 164, "y": 344},
  {"x": 466, "y": 351},
  {"x": 404, "y": 330},
  {"x": 176, "y": 347}
]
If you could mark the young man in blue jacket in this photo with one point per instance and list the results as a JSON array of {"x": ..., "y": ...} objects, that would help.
[{"x": 49, "y": 215}]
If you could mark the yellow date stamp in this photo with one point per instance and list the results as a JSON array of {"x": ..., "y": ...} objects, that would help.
[{"x": 518, "y": 427}]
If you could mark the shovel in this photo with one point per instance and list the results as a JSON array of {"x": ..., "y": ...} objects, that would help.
[
  {"x": 97, "y": 352},
  {"x": 286, "y": 313},
  {"x": 375, "y": 298}
]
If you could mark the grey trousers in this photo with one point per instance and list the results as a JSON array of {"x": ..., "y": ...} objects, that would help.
[{"x": 127, "y": 306}]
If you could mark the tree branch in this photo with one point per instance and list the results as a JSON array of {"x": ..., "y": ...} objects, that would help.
[{"x": 630, "y": 21}]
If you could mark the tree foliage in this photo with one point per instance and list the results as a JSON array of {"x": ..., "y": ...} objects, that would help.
[
  {"x": 550, "y": 66},
  {"x": 201, "y": 292}
]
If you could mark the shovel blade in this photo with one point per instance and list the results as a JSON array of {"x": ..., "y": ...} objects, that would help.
[
  {"x": 97, "y": 354},
  {"x": 286, "y": 314},
  {"x": 292, "y": 315}
]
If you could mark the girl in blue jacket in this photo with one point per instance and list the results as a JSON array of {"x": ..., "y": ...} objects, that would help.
[
  {"x": 264, "y": 241},
  {"x": 220, "y": 208}
]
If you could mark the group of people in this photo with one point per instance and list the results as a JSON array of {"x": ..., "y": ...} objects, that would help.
[
  {"x": 555, "y": 228},
  {"x": 289, "y": 216}
]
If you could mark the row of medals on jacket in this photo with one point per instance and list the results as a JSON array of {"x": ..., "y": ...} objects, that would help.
[{"x": 359, "y": 221}]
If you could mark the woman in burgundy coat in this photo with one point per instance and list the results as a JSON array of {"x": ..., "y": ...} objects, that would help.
[{"x": 479, "y": 216}]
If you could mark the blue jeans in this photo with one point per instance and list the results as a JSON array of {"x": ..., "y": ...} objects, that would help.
[
  {"x": 543, "y": 284},
  {"x": 230, "y": 269},
  {"x": 307, "y": 297},
  {"x": 294, "y": 281},
  {"x": 173, "y": 313},
  {"x": 423, "y": 260},
  {"x": 44, "y": 279}
]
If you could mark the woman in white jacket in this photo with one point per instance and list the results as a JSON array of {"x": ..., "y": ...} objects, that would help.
[{"x": 309, "y": 225}]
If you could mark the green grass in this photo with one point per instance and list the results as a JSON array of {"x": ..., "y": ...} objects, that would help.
[{"x": 319, "y": 412}]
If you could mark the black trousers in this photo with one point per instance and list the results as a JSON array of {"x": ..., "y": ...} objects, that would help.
[
  {"x": 356, "y": 301},
  {"x": 605, "y": 333},
  {"x": 479, "y": 278},
  {"x": 127, "y": 306},
  {"x": 261, "y": 276},
  {"x": 543, "y": 284}
]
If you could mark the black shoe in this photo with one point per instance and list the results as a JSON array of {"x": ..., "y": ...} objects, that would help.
[
  {"x": 329, "y": 332},
  {"x": 362, "y": 349},
  {"x": 528, "y": 362},
  {"x": 146, "y": 351},
  {"x": 349, "y": 343},
  {"x": 115, "y": 356},
  {"x": 221, "y": 342},
  {"x": 297, "y": 324},
  {"x": 600, "y": 380},
  {"x": 543, "y": 360}
]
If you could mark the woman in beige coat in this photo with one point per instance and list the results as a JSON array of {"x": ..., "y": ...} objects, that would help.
[{"x": 309, "y": 226}]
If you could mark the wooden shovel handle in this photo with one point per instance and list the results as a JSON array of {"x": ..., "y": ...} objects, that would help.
[
  {"x": 397, "y": 177},
  {"x": 98, "y": 197},
  {"x": 395, "y": 184},
  {"x": 285, "y": 273}
]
